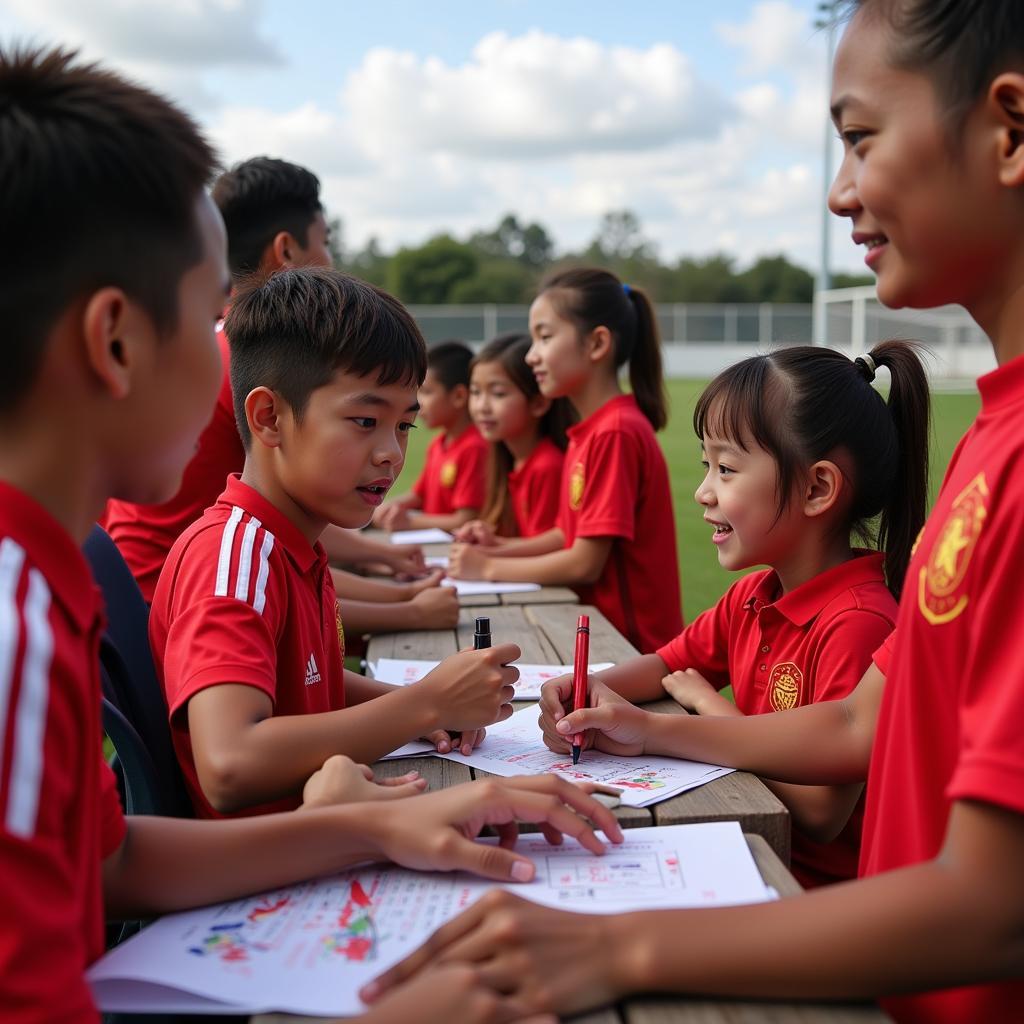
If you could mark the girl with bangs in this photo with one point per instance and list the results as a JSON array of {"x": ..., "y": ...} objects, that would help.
[{"x": 802, "y": 455}]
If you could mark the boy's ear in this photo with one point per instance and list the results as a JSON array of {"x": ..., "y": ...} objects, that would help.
[
  {"x": 459, "y": 396},
  {"x": 1007, "y": 98},
  {"x": 281, "y": 251},
  {"x": 114, "y": 329},
  {"x": 263, "y": 409},
  {"x": 823, "y": 488},
  {"x": 598, "y": 343}
]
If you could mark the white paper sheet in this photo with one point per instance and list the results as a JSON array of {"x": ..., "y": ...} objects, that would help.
[
  {"x": 402, "y": 672},
  {"x": 308, "y": 948},
  {"x": 436, "y": 561},
  {"x": 431, "y": 536},
  {"x": 466, "y": 587},
  {"x": 516, "y": 747}
]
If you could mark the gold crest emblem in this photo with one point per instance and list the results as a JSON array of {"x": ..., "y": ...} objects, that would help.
[
  {"x": 785, "y": 683},
  {"x": 448, "y": 471},
  {"x": 938, "y": 584},
  {"x": 576, "y": 483},
  {"x": 341, "y": 629}
]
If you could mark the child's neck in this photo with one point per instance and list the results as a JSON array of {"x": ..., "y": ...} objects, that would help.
[
  {"x": 812, "y": 556},
  {"x": 597, "y": 390},
  {"x": 261, "y": 479},
  {"x": 522, "y": 446},
  {"x": 454, "y": 430},
  {"x": 1000, "y": 314}
]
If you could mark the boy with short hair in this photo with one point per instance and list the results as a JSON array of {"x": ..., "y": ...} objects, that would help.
[
  {"x": 450, "y": 490},
  {"x": 244, "y": 627},
  {"x": 110, "y": 370},
  {"x": 274, "y": 219}
]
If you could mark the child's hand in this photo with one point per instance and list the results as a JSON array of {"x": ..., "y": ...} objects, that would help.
[
  {"x": 441, "y": 995},
  {"x": 692, "y": 691},
  {"x": 341, "y": 781},
  {"x": 435, "y": 832},
  {"x": 436, "y": 608},
  {"x": 392, "y": 515},
  {"x": 472, "y": 689},
  {"x": 406, "y": 560},
  {"x": 477, "y": 532},
  {"x": 467, "y": 562},
  {"x": 444, "y": 741},
  {"x": 610, "y": 723}
]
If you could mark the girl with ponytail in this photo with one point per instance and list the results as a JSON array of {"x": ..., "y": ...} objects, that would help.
[
  {"x": 802, "y": 455},
  {"x": 615, "y": 539}
]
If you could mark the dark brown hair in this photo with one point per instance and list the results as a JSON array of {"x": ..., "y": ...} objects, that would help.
[
  {"x": 449, "y": 362},
  {"x": 808, "y": 403},
  {"x": 960, "y": 44},
  {"x": 509, "y": 352},
  {"x": 589, "y": 298},
  {"x": 295, "y": 330},
  {"x": 259, "y": 198},
  {"x": 99, "y": 180}
]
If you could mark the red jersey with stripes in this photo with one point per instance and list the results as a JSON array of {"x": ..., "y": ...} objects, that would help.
[
  {"x": 782, "y": 651},
  {"x": 536, "y": 489},
  {"x": 144, "y": 533},
  {"x": 245, "y": 598},
  {"x": 615, "y": 484},
  {"x": 454, "y": 473},
  {"x": 59, "y": 809}
]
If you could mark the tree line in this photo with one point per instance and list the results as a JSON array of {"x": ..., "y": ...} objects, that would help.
[{"x": 504, "y": 265}]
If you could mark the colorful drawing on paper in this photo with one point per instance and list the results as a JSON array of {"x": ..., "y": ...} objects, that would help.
[
  {"x": 641, "y": 779},
  {"x": 354, "y": 938},
  {"x": 228, "y": 943}
]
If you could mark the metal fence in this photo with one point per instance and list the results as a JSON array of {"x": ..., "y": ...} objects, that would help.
[{"x": 700, "y": 339}]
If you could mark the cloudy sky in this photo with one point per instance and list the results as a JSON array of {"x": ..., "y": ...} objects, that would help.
[{"x": 707, "y": 120}]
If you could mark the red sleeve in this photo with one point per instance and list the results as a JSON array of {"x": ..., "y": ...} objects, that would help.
[
  {"x": 544, "y": 502},
  {"x": 612, "y": 482},
  {"x": 990, "y": 766},
  {"x": 704, "y": 644},
  {"x": 470, "y": 478},
  {"x": 845, "y": 652},
  {"x": 210, "y": 639},
  {"x": 883, "y": 656},
  {"x": 420, "y": 487}
]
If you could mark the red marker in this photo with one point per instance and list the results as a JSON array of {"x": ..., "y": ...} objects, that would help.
[{"x": 580, "y": 664}]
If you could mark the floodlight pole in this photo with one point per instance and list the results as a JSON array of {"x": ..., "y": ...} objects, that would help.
[{"x": 827, "y": 21}]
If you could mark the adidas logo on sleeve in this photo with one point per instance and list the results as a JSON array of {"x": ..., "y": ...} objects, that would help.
[{"x": 312, "y": 672}]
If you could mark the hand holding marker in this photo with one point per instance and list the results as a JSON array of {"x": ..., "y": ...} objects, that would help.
[{"x": 580, "y": 665}]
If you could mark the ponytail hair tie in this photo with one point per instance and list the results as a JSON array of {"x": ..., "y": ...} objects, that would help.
[
  {"x": 866, "y": 365},
  {"x": 627, "y": 290}
]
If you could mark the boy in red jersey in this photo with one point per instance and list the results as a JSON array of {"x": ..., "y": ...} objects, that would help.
[
  {"x": 274, "y": 220},
  {"x": 244, "y": 625},
  {"x": 110, "y": 371},
  {"x": 450, "y": 490},
  {"x": 929, "y": 101}
]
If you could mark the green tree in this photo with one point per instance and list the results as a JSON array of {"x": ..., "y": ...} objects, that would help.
[
  {"x": 428, "y": 274},
  {"x": 370, "y": 263},
  {"x": 506, "y": 281},
  {"x": 775, "y": 279},
  {"x": 620, "y": 239}
]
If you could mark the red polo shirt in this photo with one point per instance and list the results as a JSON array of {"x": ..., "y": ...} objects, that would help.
[
  {"x": 454, "y": 473},
  {"x": 144, "y": 533},
  {"x": 949, "y": 727},
  {"x": 615, "y": 484},
  {"x": 245, "y": 598},
  {"x": 781, "y": 652},
  {"x": 59, "y": 810},
  {"x": 536, "y": 488}
]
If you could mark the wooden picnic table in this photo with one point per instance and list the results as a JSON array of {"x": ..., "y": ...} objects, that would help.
[
  {"x": 547, "y": 635},
  {"x": 684, "y": 1010}
]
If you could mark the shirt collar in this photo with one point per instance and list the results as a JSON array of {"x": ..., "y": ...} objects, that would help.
[
  {"x": 51, "y": 549},
  {"x": 578, "y": 431},
  {"x": 1003, "y": 386},
  {"x": 801, "y": 605},
  {"x": 301, "y": 552}
]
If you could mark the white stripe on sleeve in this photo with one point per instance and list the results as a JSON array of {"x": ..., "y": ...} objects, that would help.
[
  {"x": 30, "y": 716},
  {"x": 260, "y": 597},
  {"x": 227, "y": 540},
  {"x": 12, "y": 559},
  {"x": 245, "y": 559}
]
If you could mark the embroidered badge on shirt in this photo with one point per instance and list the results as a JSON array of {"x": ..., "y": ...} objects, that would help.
[
  {"x": 576, "y": 482},
  {"x": 939, "y": 594},
  {"x": 341, "y": 629},
  {"x": 785, "y": 683},
  {"x": 448, "y": 471}
]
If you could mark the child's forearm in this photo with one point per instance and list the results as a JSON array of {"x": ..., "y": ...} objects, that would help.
[
  {"x": 574, "y": 566},
  {"x": 350, "y": 586},
  {"x": 818, "y": 812},
  {"x": 442, "y": 520},
  {"x": 813, "y": 745},
  {"x": 375, "y": 616},
  {"x": 526, "y": 547},
  {"x": 638, "y": 680}
]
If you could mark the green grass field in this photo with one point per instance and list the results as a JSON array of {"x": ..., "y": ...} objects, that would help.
[{"x": 703, "y": 580}]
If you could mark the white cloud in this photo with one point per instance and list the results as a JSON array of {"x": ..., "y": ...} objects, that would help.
[
  {"x": 531, "y": 96},
  {"x": 161, "y": 33},
  {"x": 776, "y": 36}
]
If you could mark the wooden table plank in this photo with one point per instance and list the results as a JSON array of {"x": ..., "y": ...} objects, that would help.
[
  {"x": 546, "y": 595},
  {"x": 510, "y": 624},
  {"x": 558, "y": 623}
]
